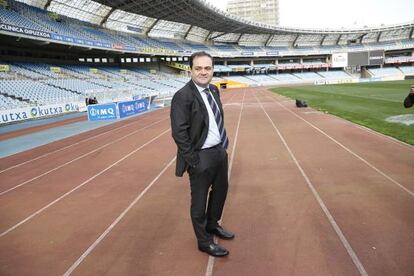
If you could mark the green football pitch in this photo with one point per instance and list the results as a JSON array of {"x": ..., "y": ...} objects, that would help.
[{"x": 367, "y": 104}]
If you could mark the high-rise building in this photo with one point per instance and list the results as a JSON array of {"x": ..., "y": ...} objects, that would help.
[{"x": 263, "y": 11}]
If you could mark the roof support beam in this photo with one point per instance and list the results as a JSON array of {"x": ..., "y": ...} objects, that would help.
[
  {"x": 151, "y": 27},
  {"x": 214, "y": 37},
  {"x": 103, "y": 21},
  {"x": 379, "y": 36},
  {"x": 208, "y": 36},
  {"x": 269, "y": 39},
  {"x": 361, "y": 37},
  {"x": 126, "y": 5},
  {"x": 339, "y": 39},
  {"x": 47, "y": 4},
  {"x": 232, "y": 31},
  {"x": 294, "y": 41},
  {"x": 322, "y": 40},
  {"x": 188, "y": 31},
  {"x": 240, "y": 36}
]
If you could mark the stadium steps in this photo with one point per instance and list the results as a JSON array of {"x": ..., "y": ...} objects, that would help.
[
  {"x": 31, "y": 70},
  {"x": 165, "y": 84},
  {"x": 273, "y": 77},
  {"x": 322, "y": 77},
  {"x": 76, "y": 74},
  {"x": 367, "y": 73},
  {"x": 250, "y": 78},
  {"x": 111, "y": 74},
  {"x": 70, "y": 75},
  {"x": 14, "y": 97},
  {"x": 350, "y": 74},
  {"x": 100, "y": 84},
  {"x": 20, "y": 76},
  {"x": 398, "y": 68},
  {"x": 353, "y": 75},
  {"x": 61, "y": 87}
]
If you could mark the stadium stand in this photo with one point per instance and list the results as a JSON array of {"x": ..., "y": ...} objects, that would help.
[
  {"x": 23, "y": 15},
  {"x": 135, "y": 45},
  {"x": 308, "y": 76},
  {"x": 287, "y": 78},
  {"x": 335, "y": 75},
  {"x": 407, "y": 70},
  {"x": 263, "y": 79},
  {"x": 384, "y": 72}
]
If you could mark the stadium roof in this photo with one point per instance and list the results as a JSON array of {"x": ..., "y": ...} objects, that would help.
[
  {"x": 191, "y": 12},
  {"x": 194, "y": 20}
]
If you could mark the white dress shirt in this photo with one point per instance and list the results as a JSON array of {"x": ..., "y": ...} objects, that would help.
[{"x": 213, "y": 136}]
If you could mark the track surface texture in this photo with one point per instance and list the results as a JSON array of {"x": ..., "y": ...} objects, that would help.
[{"x": 310, "y": 194}]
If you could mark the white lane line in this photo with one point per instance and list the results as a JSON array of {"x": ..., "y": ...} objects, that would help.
[
  {"x": 350, "y": 151},
  {"x": 61, "y": 149},
  {"x": 80, "y": 157},
  {"x": 66, "y": 147},
  {"x": 210, "y": 264},
  {"x": 106, "y": 232},
  {"x": 328, "y": 214},
  {"x": 115, "y": 222},
  {"x": 81, "y": 185},
  {"x": 390, "y": 139}
]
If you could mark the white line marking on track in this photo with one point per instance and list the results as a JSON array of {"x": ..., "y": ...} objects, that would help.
[
  {"x": 388, "y": 138},
  {"x": 391, "y": 139},
  {"x": 79, "y": 157},
  {"x": 350, "y": 151},
  {"x": 332, "y": 221},
  {"x": 81, "y": 185},
  {"x": 210, "y": 264},
  {"x": 115, "y": 222},
  {"x": 58, "y": 150},
  {"x": 66, "y": 147}
]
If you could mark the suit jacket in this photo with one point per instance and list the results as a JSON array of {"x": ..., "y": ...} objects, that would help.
[{"x": 189, "y": 124}]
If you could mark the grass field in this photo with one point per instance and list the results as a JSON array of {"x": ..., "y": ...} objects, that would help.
[{"x": 367, "y": 104}]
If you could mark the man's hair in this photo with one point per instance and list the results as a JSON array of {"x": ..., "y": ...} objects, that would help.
[{"x": 200, "y": 54}]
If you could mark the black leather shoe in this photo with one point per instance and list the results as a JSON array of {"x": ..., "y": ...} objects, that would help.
[
  {"x": 221, "y": 233},
  {"x": 214, "y": 250}
]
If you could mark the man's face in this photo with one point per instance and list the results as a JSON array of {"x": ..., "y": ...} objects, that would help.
[
  {"x": 202, "y": 70},
  {"x": 412, "y": 89}
]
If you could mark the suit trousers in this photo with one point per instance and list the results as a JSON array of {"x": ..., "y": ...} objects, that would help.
[{"x": 211, "y": 172}]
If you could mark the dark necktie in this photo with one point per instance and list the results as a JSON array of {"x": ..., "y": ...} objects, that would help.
[{"x": 219, "y": 119}]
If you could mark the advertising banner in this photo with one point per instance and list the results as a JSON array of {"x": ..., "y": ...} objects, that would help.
[
  {"x": 98, "y": 112},
  {"x": 272, "y": 53},
  {"x": 55, "y": 69},
  {"x": 22, "y": 30},
  {"x": 130, "y": 108},
  {"x": 15, "y": 115},
  {"x": 339, "y": 60},
  {"x": 80, "y": 41},
  {"x": 179, "y": 66},
  {"x": 4, "y": 68}
]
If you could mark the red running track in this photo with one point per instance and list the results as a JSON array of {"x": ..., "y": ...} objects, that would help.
[{"x": 310, "y": 194}]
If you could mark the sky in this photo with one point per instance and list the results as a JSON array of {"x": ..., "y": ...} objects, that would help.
[{"x": 337, "y": 14}]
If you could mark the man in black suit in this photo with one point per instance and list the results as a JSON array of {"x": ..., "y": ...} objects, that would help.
[
  {"x": 197, "y": 124},
  {"x": 409, "y": 100}
]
